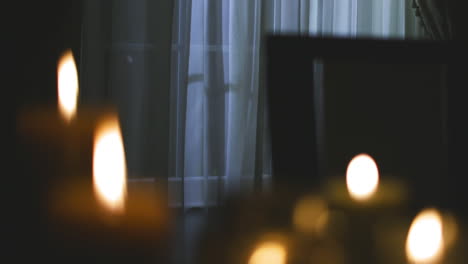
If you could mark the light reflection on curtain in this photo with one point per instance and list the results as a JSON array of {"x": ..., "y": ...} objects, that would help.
[{"x": 216, "y": 69}]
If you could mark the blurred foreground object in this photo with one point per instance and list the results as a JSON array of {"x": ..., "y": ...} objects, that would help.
[
  {"x": 364, "y": 188},
  {"x": 277, "y": 229},
  {"x": 59, "y": 138},
  {"x": 87, "y": 213},
  {"x": 284, "y": 228},
  {"x": 106, "y": 221}
]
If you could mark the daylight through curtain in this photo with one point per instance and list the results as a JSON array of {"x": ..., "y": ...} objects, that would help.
[{"x": 218, "y": 123}]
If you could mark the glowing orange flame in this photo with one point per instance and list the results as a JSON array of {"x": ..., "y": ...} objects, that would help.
[
  {"x": 269, "y": 253},
  {"x": 67, "y": 86},
  {"x": 425, "y": 241},
  {"x": 311, "y": 215},
  {"x": 362, "y": 177},
  {"x": 109, "y": 168}
]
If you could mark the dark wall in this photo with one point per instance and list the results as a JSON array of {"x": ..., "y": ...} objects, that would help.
[
  {"x": 450, "y": 20},
  {"x": 458, "y": 108},
  {"x": 457, "y": 16},
  {"x": 393, "y": 112}
]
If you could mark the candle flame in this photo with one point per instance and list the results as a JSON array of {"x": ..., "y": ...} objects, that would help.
[
  {"x": 362, "y": 177},
  {"x": 425, "y": 241},
  {"x": 109, "y": 168},
  {"x": 269, "y": 253},
  {"x": 67, "y": 86},
  {"x": 311, "y": 215}
]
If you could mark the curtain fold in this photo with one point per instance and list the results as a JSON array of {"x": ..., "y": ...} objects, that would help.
[
  {"x": 226, "y": 148},
  {"x": 434, "y": 14},
  {"x": 133, "y": 61},
  {"x": 180, "y": 61},
  {"x": 244, "y": 34}
]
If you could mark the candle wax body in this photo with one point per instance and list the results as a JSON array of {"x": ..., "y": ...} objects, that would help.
[
  {"x": 366, "y": 220},
  {"x": 389, "y": 194},
  {"x": 80, "y": 223},
  {"x": 57, "y": 145},
  {"x": 52, "y": 149}
]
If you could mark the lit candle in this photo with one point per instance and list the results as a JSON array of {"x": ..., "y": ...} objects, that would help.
[
  {"x": 269, "y": 252},
  {"x": 425, "y": 242},
  {"x": 317, "y": 229},
  {"x": 67, "y": 86},
  {"x": 365, "y": 200},
  {"x": 78, "y": 157},
  {"x": 59, "y": 138},
  {"x": 364, "y": 188},
  {"x": 56, "y": 141},
  {"x": 105, "y": 219},
  {"x": 430, "y": 238}
]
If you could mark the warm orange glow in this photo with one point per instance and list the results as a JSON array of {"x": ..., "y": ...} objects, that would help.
[
  {"x": 269, "y": 253},
  {"x": 109, "y": 168},
  {"x": 311, "y": 215},
  {"x": 362, "y": 177},
  {"x": 425, "y": 242},
  {"x": 450, "y": 230},
  {"x": 67, "y": 86}
]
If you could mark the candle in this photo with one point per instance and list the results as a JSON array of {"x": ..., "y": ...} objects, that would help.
[
  {"x": 269, "y": 252},
  {"x": 425, "y": 243},
  {"x": 272, "y": 228},
  {"x": 317, "y": 232},
  {"x": 60, "y": 138},
  {"x": 86, "y": 216},
  {"x": 364, "y": 189},
  {"x": 56, "y": 142},
  {"x": 431, "y": 237},
  {"x": 103, "y": 219},
  {"x": 365, "y": 200}
]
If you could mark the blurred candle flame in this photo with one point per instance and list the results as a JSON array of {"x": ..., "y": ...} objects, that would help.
[
  {"x": 362, "y": 177},
  {"x": 109, "y": 168},
  {"x": 269, "y": 253},
  {"x": 67, "y": 86},
  {"x": 311, "y": 215},
  {"x": 450, "y": 230},
  {"x": 425, "y": 241}
]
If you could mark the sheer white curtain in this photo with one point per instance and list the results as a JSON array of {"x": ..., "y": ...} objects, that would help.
[
  {"x": 344, "y": 18},
  {"x": 216, "y": 69}
]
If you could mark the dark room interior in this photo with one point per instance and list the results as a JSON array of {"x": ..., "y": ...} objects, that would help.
[{"x": 238, "y": 123}]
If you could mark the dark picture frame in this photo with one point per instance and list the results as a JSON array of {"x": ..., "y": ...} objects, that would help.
[{"x": 295, "y": 105}]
